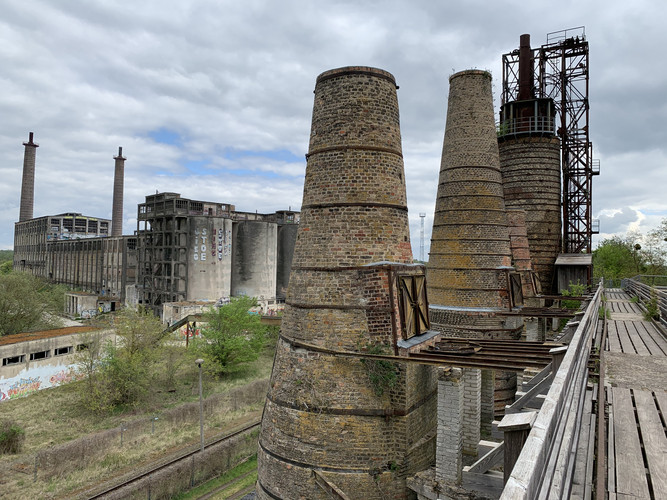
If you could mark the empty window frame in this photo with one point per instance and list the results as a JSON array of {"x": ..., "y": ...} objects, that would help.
[
  {"x": 34, "y": 356},
  {"x": 13, "y": 360},
  {"x": 62, "y": 351}
]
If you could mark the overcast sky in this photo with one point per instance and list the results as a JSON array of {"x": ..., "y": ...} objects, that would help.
[{"x": 213, "y": 98}]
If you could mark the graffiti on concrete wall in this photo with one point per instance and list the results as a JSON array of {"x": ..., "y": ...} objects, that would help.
[
  {"x": 200, "y": 244},
  {"x": 35, "y": 379},
  {"x": 224, "y": 243}
]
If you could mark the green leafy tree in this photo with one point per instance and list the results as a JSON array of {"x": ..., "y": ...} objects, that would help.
[
  {"x": 28, "y": 303},
  {"x": 122, "y": 373},
  {"x": 624, "y": 257},
  {"x": 232, "y": 335}
]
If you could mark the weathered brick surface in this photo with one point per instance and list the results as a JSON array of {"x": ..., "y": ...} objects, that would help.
[
  {"x": 448, "y": 462},
  {"x": 531, "y": 180},
  {"x": 322, "y": 409},
  {"x": 521, "y": 257},
  {"x": 470, "y": 236},
  {"x": 472, "y": 388}
]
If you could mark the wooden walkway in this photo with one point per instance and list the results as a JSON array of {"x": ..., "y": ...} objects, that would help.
[{"x": 635, "y": 360}]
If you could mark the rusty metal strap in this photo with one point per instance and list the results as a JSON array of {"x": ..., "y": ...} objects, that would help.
[
  {"x": 379, "y": 149},
  {"x": 403, "y": 208}
]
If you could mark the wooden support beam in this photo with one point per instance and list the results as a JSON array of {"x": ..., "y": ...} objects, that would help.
[{"x": 515, "y": 428}]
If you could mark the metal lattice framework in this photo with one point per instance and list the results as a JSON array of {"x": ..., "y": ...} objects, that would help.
[{"x": 561, "y": 73}]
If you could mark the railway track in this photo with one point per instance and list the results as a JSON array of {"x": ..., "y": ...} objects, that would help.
[{"x": 156, "y": 467}]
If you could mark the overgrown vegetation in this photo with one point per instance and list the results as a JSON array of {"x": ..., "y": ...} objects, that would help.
[
  {"x": 381, "y": 372},
  {"x": 624, "y": 257},
  {"x": 121, "y": 374},
  {"x": 574, "y": 290},
  {"x": 6, "y": 261},
  {"x": 12, "y": 437},
  {"x": 232, "y": 336},
  {"x": 652, "y": 311},
  {"x": 29, "y": 303}
]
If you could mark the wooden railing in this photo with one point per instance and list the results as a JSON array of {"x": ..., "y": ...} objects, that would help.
[
  {"x": 647, "y": 289},
  {"x": 545, "y": 465}
]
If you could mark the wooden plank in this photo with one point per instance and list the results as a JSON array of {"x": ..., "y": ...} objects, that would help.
[
  {"x": 655, "y": 442},
  {"x": 662, "y": 402},
  {"x": 656, "y": 336},
  {"x": 567, "y": 439},
  {"x": 651, "y": 345},
  {"x": 637, "y": 339},
  {"x": 489, "y": 484},
  {"x": 612, "y": 337},
  {"x": 579, "y": 479},
  {"x": 624, "y": 338},
  {"x": 492, "y": 458},
  {"x": 611, "y": 450},
  {"x": 630, "y": 473},
  {"x": 529, "y": 396}
]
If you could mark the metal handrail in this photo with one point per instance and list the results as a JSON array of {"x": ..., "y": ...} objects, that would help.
[{"x": 528, "y": 125}]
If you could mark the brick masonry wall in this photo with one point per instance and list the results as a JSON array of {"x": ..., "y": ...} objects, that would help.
[
  {"x": 323, "y": 411},
  {"x": 531, "y": 181},
  {"x": 470, "y": 240}
]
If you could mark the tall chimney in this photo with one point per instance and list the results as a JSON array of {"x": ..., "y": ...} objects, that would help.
[
  {"x": 28, "y": 185},
  {"x": 525, "y": 69},
  {"x": 470, "y": 254},
  {"x": 117, "y": 208}
]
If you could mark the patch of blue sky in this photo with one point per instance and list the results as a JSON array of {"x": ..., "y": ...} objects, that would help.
[
  {"x": 165, "y": 136},
  {"x": 198, "y": 166},
  {"x": 276, "y": 155},
  {"x": 653, "y": 212}
]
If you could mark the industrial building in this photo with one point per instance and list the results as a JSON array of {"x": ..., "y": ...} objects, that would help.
[{"x": 182, "y": 250}]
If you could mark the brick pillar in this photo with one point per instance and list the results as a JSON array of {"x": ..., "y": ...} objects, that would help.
[
  {"x": 472, "y": 391},
  {"x": 532, "y": 329},
  {"x": 486, "y": 402},
  {"x": 449, "y": 444}
]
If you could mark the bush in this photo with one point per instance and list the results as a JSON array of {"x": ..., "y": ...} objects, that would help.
[{"x": 12, "y": 436}]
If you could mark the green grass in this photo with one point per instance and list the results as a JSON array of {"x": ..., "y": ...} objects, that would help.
[{"x": 249, "y": 465}]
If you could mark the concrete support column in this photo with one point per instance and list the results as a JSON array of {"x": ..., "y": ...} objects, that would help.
[
  {"x": 472, "y": 389},
  {"x": 487, "y": 384},
  {"x": 449, "y": 443}
]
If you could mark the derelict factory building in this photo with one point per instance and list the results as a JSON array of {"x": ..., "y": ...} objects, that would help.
[{"x": 183, "y": 250}]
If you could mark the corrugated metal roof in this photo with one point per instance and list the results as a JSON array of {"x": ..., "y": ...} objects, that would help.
[{"x": 574, "y": 259}]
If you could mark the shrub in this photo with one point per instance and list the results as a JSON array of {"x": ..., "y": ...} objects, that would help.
[{"x": 12, "y": 436}]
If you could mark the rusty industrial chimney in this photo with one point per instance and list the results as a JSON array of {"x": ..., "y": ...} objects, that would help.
[
  {"x": 117, "y": 206},
  {"x": 525, "y": 69},
  {"x": 326, "y": 425},
  {"x": 530, "y": 166},
  {"x": 28, "y": 184}
]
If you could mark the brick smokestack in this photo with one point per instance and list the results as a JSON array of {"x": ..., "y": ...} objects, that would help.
[
  {"x": 117, "y": 207},
  {"x": 470, "y": 246},
  {"x": 324, "y": 420},
  {"x": 470, "y": 254},
  {"x": 28, "y": 184}
]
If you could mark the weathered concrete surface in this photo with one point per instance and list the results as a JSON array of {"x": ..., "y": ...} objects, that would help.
[{"x": 635, "y": 371}]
